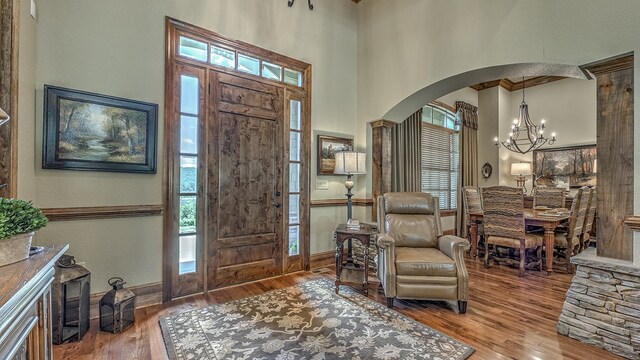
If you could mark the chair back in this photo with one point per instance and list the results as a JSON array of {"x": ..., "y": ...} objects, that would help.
[
  {"x": 552, "y": 197},
  {"x": 591, "y": 212},
  {"x": 471, "y": 199},
  {"x": 411, "y": 218},
  {"x": 579, "y": 209},
  {"x": 503, "y": 212}
]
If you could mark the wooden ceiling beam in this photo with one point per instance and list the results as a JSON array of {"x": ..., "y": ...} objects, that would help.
[
  {"x": 513, "y": 86},
  {"x": 610, "y": 65},
  {"x": 539, "y": 80}
]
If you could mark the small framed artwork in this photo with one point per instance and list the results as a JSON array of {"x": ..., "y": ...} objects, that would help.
[
  {"x": 87, "y": 131},
  {"x": 575, "y": 165},
  {"x": 327, "y": 148}
]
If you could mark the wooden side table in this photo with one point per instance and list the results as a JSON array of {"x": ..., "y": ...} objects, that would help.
[{"x": 351, "y": 274}]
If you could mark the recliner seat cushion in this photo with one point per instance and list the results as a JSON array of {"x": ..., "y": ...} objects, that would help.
[
  {"x": 424, "y": 262},
  {"x": 530, "y": 241}
]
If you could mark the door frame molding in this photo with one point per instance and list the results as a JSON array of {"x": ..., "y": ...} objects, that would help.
[
  {"x": 173, "y": 29},
  {"x": 9, "y": 29}
]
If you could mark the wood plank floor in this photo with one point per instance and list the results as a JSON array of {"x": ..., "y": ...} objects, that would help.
[{"x": 508, "y": 318}]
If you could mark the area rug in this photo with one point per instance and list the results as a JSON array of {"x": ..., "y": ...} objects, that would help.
[{"x": 306, "y": 321}]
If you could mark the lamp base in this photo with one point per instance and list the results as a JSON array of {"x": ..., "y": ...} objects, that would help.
[{"x": 520, "y": 182}]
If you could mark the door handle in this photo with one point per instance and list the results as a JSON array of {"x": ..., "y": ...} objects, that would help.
[{"x": 277, "y": 206}]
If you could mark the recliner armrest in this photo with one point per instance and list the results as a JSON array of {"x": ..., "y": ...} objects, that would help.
[
  {"x": 454, "y": 247},
  {"x": 384, "y": 241},
  {"x": 450, "y": 245}
]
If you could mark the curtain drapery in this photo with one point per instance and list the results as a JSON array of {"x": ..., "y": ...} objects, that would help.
[
  {"x": 468, "y": 117},
  {"x": 406, "y": 154}
]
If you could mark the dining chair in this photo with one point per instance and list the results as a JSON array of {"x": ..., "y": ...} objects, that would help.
[
  {"x": 472, "y": 203},
  {"x": 551, "y": 197},
  {"x": 585, "y": 239},
  {"x": 504, "y": 226},
  {"x": 567, "y": 241}
]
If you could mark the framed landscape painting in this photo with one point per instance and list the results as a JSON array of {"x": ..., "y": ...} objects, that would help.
[
  {"x": 86, "y": 131},
  {"x": 327, "y": 148},
  {"x": 575, "y": 165}
]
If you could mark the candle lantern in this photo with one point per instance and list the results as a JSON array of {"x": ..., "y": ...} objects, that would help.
[
  {"x": 117, "y": 307},
  {"x": 70, "y": 293}
]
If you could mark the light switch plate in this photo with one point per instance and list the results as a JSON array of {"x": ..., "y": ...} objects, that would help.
[
  {"x": 33, "y": 9},
  {"x": 322, "y": 184}
]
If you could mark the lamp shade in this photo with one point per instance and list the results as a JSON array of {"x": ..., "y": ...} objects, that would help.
[
  {"x": 350, "y": 163},
  {"x": 521, "y": 168}
]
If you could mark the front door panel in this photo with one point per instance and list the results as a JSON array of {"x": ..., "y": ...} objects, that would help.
[{"x": 245, "y": 187}]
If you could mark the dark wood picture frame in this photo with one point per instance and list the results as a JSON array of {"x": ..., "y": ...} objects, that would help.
[
  {"x": 578, "y": 169},
  {"x": 110, "y": 133},
  {"x": 327, "y": 147}
]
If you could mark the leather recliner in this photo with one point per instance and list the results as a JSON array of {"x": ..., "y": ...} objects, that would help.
[{"x": 416, "y": 261}]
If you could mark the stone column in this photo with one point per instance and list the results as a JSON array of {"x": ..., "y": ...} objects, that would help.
[{"x": 381, "y": 172}]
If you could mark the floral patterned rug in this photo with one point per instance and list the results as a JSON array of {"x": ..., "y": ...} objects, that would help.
[{"x": 306, "y": 321}]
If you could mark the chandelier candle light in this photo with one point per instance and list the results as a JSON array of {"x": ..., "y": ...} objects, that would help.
[
  {"x": 524, "y": 135},
  {"x": 4, "y": 117}
]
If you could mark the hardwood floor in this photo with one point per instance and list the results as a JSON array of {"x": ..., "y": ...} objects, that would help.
[{"x": 508, "y": 318}]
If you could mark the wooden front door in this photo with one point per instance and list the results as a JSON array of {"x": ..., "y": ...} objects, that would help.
[{"x": 245, "y": 224}]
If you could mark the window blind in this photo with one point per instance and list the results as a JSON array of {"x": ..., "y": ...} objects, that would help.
[{"x": 440, "y": 164}]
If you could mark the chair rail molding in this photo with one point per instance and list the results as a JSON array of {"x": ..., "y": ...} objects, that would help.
[{"x": 101, "y": 212}]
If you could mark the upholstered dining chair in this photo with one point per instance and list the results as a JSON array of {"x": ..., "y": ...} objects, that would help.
[
  {"x": 588, "y": 221},
  {"x": 472, "y": 203},
  {"x": 416, "y": 261},
  {"x": 568, "y": 241},
  {"x": 551, "y": 197},
  {"x": 504, "y": 226}
]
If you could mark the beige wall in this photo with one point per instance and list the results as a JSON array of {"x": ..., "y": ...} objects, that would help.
[
  {"x": 487, "y": 129},
  {"x": 117, "y": 48}
]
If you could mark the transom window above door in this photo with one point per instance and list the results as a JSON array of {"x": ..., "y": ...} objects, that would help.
[{"x": 219, "y": 55}]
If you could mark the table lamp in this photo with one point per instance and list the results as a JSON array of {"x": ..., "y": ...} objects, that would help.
[
  {"x": 349, "y": 163},
  {"x": 521, "y": 170}
]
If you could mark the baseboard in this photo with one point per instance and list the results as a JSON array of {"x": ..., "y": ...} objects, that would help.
[
  {"x": 322, "y": 259},
  {"x": 449, "y": 232},
  {"x": 146, "y": 295}
]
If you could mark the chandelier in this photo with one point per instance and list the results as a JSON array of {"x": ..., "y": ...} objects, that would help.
[{"x": 525, "y": 136}]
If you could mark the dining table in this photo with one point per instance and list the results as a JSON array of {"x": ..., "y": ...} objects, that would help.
[{"x": 548, "y": 220}]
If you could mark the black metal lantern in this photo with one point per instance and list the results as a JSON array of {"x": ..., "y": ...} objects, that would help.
[
  {"x": 117, "y": 307},
  {"x": 70, "y": 293}
]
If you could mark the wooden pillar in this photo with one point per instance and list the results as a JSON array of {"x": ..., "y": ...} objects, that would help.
[
  {"x": 615, "y": 156},
  {"x": 8, "y": 95},
  {"x": 381, "y": 172}
]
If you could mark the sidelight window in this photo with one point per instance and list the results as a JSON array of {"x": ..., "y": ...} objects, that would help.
[
  {"x": 188, "y": 183},
  {"x": 294, "y": 176}
]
